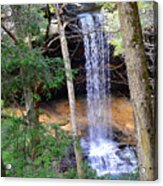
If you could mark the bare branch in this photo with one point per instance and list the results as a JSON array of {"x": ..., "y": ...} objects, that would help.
[
  {"x": 117, "y": 67},
  {"x": 11, "y": 35}
]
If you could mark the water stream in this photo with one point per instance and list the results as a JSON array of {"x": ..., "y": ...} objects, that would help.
[{"x": 103, "y": 154}]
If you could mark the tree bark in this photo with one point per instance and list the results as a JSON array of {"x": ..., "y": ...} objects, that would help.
[
  {"x": 135, "y": 59},
  {"x": 71, "y": 94},
  {"x": 32, "y": 106}
]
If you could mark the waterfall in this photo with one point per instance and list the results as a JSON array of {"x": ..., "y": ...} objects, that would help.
[
  {"x": 97, "y": 74},
  {"x": 103, "y": 153}
]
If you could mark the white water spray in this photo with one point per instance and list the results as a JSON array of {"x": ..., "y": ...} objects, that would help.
[{"x": 103, "y": 153}]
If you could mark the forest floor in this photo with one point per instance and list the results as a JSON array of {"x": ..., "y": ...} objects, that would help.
[{"x": 58, "y": 112}]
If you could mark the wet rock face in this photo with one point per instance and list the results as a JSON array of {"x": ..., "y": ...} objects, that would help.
[
  {"x": 68, "y": 13},
  {"x": 73, "y": 9}
]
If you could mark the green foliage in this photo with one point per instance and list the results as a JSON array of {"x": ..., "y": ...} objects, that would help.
[
  {"x": 109, "y": 6},
  {"x": 26, "y": 68},
  {"x": 110, "y": 9},
  {"x": 17, "y": 150},
  {"x": 118, "y": 44},
  {"x": 145, "y": 5},
  {"x": 115, "y": 34},
  {"x": 88, "y": 173},
  {"x": 51, "y": 8},
  {"x": 23, "y": 67},
  {"x": 28, "y": 19},
  {"x": 146, "y": 13}
]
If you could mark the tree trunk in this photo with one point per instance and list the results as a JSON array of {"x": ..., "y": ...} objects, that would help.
[
  {"x": 139, "y": 87},
  {"x": 32, "y": 107},
  {"x": 71, "y": 94},
  {"x": 29, "y": 104}
]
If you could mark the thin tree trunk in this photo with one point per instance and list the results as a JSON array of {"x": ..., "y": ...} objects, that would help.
[
  {"x": 28, "y": 104},
  {"x": 71, "y": 94},
  {"x": 32, "y": 118},
  {"x": 139, "y": 87},
  {"x": 32, "y": 107},
  {"x": 28, "y": 95}
]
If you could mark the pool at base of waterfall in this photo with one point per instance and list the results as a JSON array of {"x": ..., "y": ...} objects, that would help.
[{"x": 106, "y": 158}]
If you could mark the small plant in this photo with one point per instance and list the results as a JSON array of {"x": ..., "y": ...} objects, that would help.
[{"x": 17, "y": 149}]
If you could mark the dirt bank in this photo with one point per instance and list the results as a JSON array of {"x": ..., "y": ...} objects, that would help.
[{"x": 58, "y": 112}]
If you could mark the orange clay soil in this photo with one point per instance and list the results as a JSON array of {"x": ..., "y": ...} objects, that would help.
[
  {"x": 58, "y": 112},
  {"x": 122, "y": 115}
]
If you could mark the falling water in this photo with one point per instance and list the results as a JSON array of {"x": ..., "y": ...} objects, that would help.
[
  {"x": 103, "y": 153},
  {"x": 97, "y": 74}
]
